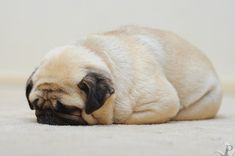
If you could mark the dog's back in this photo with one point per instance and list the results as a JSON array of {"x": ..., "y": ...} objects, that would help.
[{"x": 185, "y": 67}]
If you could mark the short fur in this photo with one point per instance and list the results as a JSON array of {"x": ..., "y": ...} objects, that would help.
[{"x": 132, "y": 75}]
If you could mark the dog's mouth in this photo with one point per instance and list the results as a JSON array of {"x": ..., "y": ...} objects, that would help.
[{"x": 51, "y": 117}]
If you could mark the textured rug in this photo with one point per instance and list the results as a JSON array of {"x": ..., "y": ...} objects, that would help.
[{"x": 20, "y": 135}]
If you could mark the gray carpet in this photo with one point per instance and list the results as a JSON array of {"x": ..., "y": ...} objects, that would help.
[{"x": 20, "y": 135}]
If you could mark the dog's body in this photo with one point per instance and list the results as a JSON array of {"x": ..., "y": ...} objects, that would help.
[{"x": 132, "y": 75}]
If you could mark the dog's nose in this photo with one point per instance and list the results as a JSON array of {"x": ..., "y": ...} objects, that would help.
[{"x": 47, "y": 117}]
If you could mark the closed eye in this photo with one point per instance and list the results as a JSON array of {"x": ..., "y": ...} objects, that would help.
[{"x": 61, "y": 108}]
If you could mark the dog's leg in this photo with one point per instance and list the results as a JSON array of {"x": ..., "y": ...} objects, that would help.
[
  {"x": 204, "y": 108},
  {"x": 165, "y": 106},
  {"x": 153, "y": 113}
]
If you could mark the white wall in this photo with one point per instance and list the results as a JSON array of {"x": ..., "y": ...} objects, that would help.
[{"x": 29, "y": 28}]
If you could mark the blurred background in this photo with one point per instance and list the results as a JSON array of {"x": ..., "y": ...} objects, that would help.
[{"x": 30, "y": 28}]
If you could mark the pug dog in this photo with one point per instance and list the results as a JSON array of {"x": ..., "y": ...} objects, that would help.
[{"x": 131, "y": 75}]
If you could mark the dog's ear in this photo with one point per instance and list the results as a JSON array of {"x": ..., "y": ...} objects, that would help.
[
  {"x": 29, "y": 86},
  {"x": 98, "y": 89}
]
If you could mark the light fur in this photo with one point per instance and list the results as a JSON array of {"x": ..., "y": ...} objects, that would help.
[{"x": 157, "y": 77}]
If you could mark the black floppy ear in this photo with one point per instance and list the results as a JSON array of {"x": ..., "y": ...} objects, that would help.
[
  {"x": 98, "y": 89},
  {"x": 29, "y": 86}
]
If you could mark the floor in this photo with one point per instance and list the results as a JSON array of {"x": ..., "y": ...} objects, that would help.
[{"x": 20, "y": 134}]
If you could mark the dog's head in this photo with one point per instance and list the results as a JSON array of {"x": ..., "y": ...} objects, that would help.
[{"x": 69, "y": 87}]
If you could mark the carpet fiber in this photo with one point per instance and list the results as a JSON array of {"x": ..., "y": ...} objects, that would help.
[{"x": 20, "y": 135}]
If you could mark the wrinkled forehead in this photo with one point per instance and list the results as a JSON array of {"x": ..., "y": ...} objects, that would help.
[
  {"x": 58, "y": 77},
  {"x": 52, "y": 82}
]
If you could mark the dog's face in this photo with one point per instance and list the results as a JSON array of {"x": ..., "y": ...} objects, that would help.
[{"x": 66, "y": 89}]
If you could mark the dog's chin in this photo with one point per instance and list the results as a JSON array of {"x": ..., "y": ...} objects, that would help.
[{"x": 52, "y": 118}]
